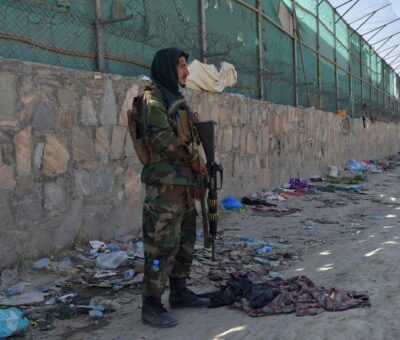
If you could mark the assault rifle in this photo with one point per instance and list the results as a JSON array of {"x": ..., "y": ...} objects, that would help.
[{"x": 205, "y": 131}]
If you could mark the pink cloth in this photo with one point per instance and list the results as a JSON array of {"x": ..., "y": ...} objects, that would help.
[{"x": 301, "y": 296}]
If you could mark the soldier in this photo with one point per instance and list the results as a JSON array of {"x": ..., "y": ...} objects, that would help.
[{"x": 169, "y": 214}]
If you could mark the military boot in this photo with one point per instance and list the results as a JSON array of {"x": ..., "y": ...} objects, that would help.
[
  {"x": 154, "y": 314},
  {"x": 180, "y": 296}
]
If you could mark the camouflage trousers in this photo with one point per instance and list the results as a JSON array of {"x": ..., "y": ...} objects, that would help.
[{"x": 169, "y": 234}]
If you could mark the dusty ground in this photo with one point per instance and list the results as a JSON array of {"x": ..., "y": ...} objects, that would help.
[{"x": 352, "y": 244}]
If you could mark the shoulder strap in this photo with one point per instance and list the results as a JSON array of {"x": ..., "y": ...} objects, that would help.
[{"x": 175, "y": 105}]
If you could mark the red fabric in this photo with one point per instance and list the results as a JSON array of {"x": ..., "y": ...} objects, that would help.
[{"x": 297, "y": 192}]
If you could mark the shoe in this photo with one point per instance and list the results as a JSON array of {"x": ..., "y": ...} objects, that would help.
[
  {"x": 180, "y": 296},
  {"x": 154, "y": 314}
]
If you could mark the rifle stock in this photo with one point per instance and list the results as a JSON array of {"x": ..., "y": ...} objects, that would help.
[{"x": 205, "y": 131}]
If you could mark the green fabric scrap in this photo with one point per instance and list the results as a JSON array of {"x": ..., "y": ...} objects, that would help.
[{"x": 346, "y": 180}]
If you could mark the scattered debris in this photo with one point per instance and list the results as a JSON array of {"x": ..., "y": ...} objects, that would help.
[
  {"x": 42, "y": 263},
  {"x": 91, "y": 282},
  {"x": 12, "y": 322},
  {"x": 25, "y": 299},
  {"x": 111, "y": 260}
]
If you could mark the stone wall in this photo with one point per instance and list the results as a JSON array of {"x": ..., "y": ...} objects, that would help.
[{"x": 68, "y": 170}]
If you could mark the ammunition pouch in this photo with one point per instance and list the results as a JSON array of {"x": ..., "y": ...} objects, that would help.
[
  {"x": 143, "y": 151},
  {"x": 181, "y": 120}
]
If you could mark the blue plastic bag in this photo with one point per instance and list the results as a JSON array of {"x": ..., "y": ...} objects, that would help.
[
  {"x": 12, "y": 321},
  {"x": 230, "y": 202},
  {"x": 264, "y": 250},
  {"x": 354, "y": 165}
]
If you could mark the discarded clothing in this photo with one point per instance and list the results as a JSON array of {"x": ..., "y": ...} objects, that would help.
[
  {"x": 324, "y": 188},
  {"x": 299, "y": 295},
  {"x": 296, "y": 192},
  {"x": 316, "y": 179},
  {"x": 346, "y": 180},
  {"x": 247, "y": 286},
  {"x": 387, "y": 165},
  {"x": 256, "y": 201},
  {"x": 297, "y": 183},
  {"x": 273, "y": 212},
  {"x": 355, "y": 188}
]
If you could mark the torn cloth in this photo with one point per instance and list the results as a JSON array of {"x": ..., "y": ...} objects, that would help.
[
  {"x": 299, "y": 295},
  {"x": 208, "y": 78}
]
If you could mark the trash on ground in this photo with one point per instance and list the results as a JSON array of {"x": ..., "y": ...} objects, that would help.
[
  {"x": 112, "y": 247},
  {"x": 256, "y": 201},
  {"x": 65, "y": 264},
  {"x": 356, "y": 166},
  {"x": 12, "y": 322},
  {"x": 257, "y": 296},
  {"x": 42, "y": 263},
  {"x": 25, "y": 299},
  {"x": 264, "y": 250},
  {"x": 139, "y": 251},
  {"x": 104, "y": 273},
  {"x": 346, "y": 180},
  {"x": 129, "y": 274},
  {"x": 316, "y": 179},
  {"x": 297, "y": 183},
  {"x": 66, "y": 298},
  {"x": 333, "y": 171},
  {"x": 97, "y": 246},
  {"x": 111, "y": 260},
  {"x": 18, "y": 288},
  {"x": 96, "y": 314},
  {"x": 231, "y": 202}
]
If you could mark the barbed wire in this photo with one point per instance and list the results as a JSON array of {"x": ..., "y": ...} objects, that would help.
[{"x": 63, "y": 32}]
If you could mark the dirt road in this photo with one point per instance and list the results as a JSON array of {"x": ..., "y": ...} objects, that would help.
[{"x": 352, "y": 242}]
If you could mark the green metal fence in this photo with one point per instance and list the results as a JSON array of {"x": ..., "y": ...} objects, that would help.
[{"x": 296, "y": 52}]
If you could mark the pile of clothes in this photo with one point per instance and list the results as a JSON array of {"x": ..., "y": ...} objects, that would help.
[{"x": 258, "y": 296}]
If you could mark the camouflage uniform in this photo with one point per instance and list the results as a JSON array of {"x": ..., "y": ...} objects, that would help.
[{"x": 169, "y": 214}]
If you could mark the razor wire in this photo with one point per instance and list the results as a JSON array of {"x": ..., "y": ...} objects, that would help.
[{"x": 338, "y": 74}]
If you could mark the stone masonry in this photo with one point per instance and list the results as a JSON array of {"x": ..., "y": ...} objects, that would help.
[{"x": 68, "y": 168}]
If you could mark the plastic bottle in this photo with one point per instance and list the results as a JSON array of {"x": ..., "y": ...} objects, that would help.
[{"x": 156, "y": 265}]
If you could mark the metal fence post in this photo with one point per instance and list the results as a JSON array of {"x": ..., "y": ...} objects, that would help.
[
  {"x": 351, "y": 96},
  {"x": 319, "y": 78},
  {"x": 336, "y": 68},
  {"x": 361, "y": 74},
  {"x": 295, "y": 75},
  {"x": 99, "y": 37},
  {"x": 260, "y": 51},
  {"x": 203, "y": 39}
]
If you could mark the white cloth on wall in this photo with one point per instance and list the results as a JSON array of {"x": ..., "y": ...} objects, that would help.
[{"x": 208, "y": 78}]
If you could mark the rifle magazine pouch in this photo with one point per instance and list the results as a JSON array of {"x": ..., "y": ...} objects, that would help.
[{"x": 183, "y": 126}]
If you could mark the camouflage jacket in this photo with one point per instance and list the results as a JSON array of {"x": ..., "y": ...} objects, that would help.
[{"x": 159, "y": 131}]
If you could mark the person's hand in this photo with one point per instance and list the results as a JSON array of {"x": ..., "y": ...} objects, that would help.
[{"x": 200, "y": 167}]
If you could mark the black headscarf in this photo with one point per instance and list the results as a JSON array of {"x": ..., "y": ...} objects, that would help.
[{"x": 164, "y": 72}]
